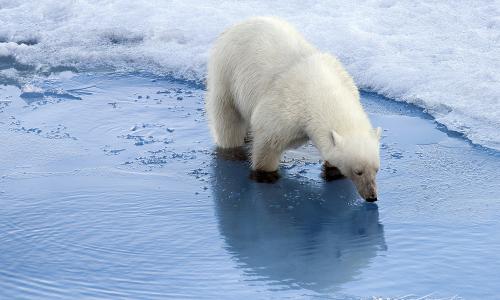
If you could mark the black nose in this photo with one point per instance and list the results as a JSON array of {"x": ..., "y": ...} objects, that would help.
[{"x": 371, "y": 199}]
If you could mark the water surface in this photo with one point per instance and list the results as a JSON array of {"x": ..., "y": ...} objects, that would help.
[{"x": 110, "y": 188}]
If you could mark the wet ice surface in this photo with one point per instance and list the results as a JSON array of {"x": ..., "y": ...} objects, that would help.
[{"x": 110, "y": 188}]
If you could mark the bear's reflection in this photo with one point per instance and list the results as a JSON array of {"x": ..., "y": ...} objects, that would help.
[{"x": 295, "y": 233}]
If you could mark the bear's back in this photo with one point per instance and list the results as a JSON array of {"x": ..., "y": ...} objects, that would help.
[
  {"x": 268, "y": 44},
  {"x": 250, "y": 55}
]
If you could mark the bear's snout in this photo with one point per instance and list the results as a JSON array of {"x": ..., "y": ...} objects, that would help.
[
  {"x": 372, "y": 195},
  {"x": 367, "y": 191}
]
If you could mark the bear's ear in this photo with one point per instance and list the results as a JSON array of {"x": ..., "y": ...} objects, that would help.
[
  {"x": 336, "y": 138},
  {"x": 378, "y": 132}
]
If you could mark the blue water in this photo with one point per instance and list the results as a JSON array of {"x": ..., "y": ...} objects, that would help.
[{"x": 110, "y": 188}]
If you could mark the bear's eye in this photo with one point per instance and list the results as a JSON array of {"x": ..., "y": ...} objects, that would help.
[{"x": 359, "y": 173}]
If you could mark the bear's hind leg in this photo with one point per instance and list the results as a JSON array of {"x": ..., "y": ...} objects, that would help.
[{"x": 227, "y": 126}]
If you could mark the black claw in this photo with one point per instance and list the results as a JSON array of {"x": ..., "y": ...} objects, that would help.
[
  {"x": 265, "y": 177},
  {"x": 331, "y": 173}
]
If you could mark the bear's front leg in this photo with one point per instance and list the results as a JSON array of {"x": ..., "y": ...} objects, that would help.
[
  {"x": 265, "y": 160},
  {"x": 330, "y": 172},
  {"x": 264, "y": 176}
]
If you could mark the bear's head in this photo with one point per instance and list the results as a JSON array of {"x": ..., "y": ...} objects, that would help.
[{"x": 357, "y": 157}]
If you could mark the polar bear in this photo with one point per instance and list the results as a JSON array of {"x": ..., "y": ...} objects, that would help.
[{"x": 265, "y": 79}]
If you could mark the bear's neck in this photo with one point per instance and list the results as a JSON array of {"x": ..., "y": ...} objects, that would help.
[{"x": 347, "y": 119}]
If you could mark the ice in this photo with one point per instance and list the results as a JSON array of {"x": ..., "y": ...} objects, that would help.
[
  {"x": 441, "y": 56},
  {"x": 29, "y": 88}
]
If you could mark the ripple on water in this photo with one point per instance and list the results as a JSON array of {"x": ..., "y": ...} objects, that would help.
[{"x": 116, "y": 238}]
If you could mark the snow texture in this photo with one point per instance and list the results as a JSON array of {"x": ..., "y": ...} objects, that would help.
[{"x": 441, "y": 56}]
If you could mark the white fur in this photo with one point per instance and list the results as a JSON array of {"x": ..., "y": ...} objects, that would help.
[{"x": 264, "y": 77}]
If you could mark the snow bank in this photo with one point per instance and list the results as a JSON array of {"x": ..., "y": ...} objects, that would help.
[{"x": 444, "y": 57}]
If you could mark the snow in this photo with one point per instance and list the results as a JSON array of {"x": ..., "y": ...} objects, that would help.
[{"x": 441, "y": 56}]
